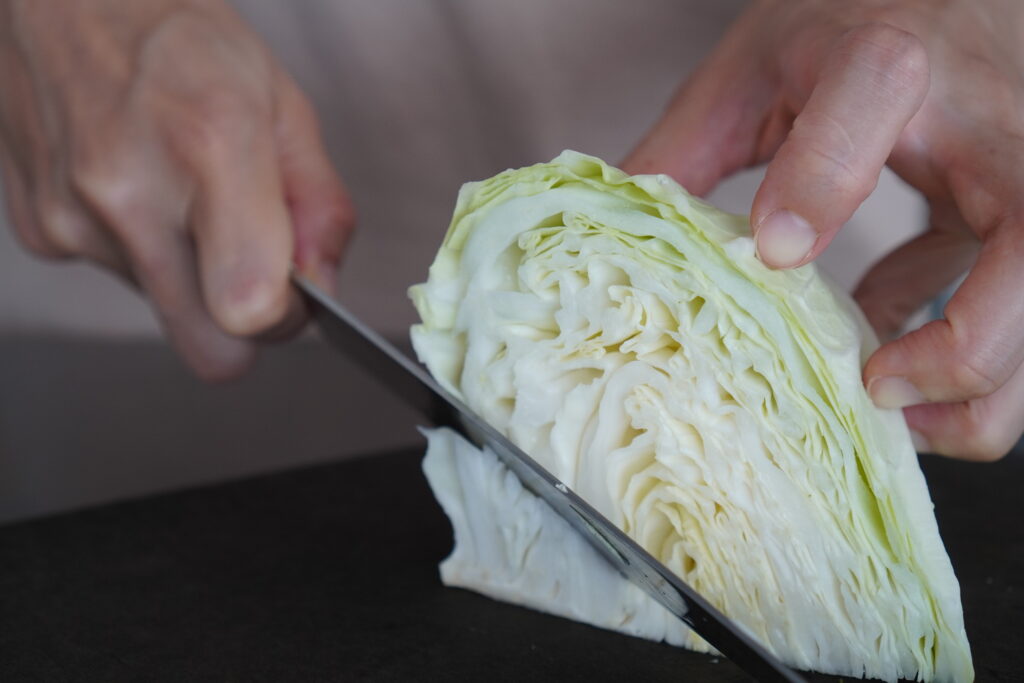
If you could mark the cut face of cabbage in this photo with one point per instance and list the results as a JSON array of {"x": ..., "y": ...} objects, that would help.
[
  {"x": 624, "y": 334},
  {"x": 511, "y": 546}
]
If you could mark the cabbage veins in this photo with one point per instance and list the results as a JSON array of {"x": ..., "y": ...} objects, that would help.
[{"x": 624, "y": 334}]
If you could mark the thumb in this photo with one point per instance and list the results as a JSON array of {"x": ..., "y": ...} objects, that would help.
[{"x": 869, "y": 88}]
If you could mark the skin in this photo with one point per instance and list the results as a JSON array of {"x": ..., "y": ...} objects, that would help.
[
  {"x": 161, "y": 140},
  {"x": 830, "y": 92}
]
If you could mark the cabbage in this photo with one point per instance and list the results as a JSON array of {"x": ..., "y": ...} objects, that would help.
[
  {"x": 624, "y": 334},
  {"x": 512, "y": 546}
]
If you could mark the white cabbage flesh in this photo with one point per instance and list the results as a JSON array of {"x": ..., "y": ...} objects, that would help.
[
  {"x": 624, "y": 334},
  {"x": 512, "y": 546}
]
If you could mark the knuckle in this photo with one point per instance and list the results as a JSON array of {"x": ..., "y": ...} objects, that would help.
[
  {"x": 113, "y": 175},
  {"x": 829, "y": 155},
  {"x": 67, "y": 233},
  {"x": 971, "y": 376},
  {"x": 215, "y": 121},
  {"x": 107, "y": 190},
  {"x": 986, "y": 438},
  {"x": 895, "y": 54}
]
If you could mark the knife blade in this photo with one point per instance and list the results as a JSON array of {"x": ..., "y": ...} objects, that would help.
[{"x": 411, "y": 383}]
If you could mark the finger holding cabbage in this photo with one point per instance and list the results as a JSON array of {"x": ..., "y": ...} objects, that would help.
[{"x": 624, "y": 334}]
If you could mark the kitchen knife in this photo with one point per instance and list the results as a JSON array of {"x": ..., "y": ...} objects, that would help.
[{"x": 411, "y": 383}]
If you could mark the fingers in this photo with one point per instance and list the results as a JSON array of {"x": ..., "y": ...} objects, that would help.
[
  {"x": 268, "y": 195},
  {"x": 970, "y": 354},
  {"x": 144, "y": 211},
  {"x": 172, "y": 174},
  {"x": 716, "y": 122},
  {"x": 960, "y": 380},
  {"x": 166, "y": 266},
  {"x": 869, "y": 88},
  {"x": 322, "y": 214},
  {"x": 238, "y": 216},
  {"x": 55, "y": 225},
  {"x": 912, "y": 275},
  {"x": 982, "y": 429}
]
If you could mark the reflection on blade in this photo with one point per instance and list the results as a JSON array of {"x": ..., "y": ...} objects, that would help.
[{"x": 413, "y": 384}]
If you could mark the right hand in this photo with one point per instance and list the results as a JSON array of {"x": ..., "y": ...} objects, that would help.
[
  {"x": 830, "y": 92},
  {"x": 160, "y": 138}
]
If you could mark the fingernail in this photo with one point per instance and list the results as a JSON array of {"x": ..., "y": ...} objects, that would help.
[
  {"x": 248, "y": 304},
  {"x": 920, "y": 443},
  {"x": 894, "y": 392},
  {"x": 784, "y": 239},
  {"x": 247, "y": 297}
]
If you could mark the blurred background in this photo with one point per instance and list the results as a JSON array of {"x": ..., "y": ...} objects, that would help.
[{"x": 414, "y": 99}]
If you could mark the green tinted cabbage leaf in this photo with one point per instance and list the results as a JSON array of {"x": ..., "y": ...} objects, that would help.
[{"x": 624, "y": 334}]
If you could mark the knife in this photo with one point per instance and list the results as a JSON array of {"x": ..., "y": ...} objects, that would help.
[{"x": 411, "y": 383}]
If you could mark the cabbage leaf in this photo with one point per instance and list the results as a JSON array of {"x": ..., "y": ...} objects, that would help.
[{"x": 624, "y": 334}]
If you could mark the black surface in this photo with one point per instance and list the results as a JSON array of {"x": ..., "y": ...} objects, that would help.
[{"x": 329, "y": 574}]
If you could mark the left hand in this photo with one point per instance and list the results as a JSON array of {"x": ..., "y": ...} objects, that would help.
[
  {"x": 162, "y": 140},
  {"x": 830, "y": 93}
]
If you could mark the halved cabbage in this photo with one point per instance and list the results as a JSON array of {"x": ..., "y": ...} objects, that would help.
[{"x": 624, "y": 334}]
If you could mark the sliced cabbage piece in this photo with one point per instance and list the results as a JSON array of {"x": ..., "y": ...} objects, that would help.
[
  {"x": 512, "y": 546},
  {"x": 624, "y": 334}
]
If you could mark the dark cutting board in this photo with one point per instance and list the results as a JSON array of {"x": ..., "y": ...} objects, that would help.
[{"x": 329, "y": 574}]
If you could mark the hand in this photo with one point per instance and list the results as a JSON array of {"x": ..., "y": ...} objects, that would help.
[
  {"x": 832, "y": 91},
  {"x": 160, "y": 139}
]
